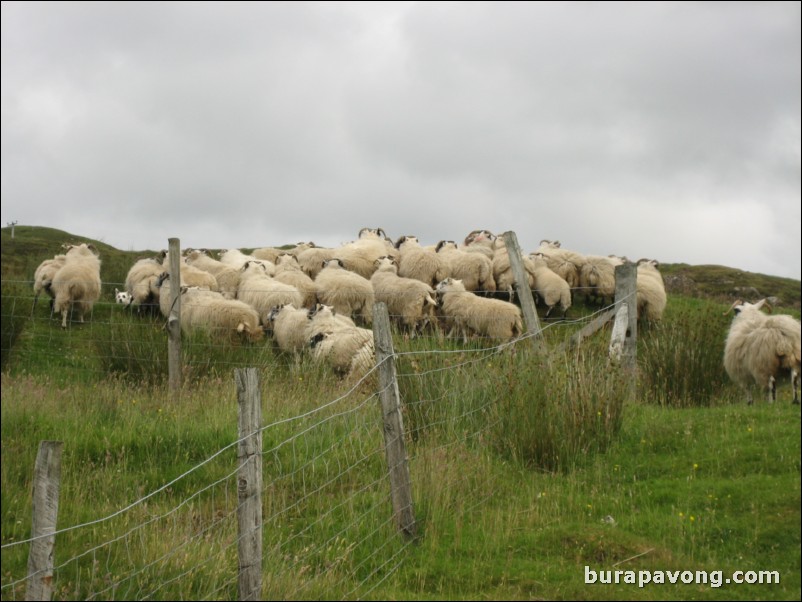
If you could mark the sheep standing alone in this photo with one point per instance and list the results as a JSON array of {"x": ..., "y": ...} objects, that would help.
[
  {"x": 759, "y": 348},
  {"x": 466, "y": 314},
  {"x": 76, "y": 285}
]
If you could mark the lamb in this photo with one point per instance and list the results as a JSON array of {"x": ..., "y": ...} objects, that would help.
[
  {"x": 416, "y": 262},
  {"x": 467, "y": 314},
  {"x": 288, "y": 271},
  {"x": 348, "y": 349},
  {"x": 76, "y": 285},
  {"x": 348, "y": 292},
  {"x": 141, "y": 283},
  {"x": 474, "y": 269},
  {"x": 210, "y": 311},
  {"x": 227, "y": 277},
  {"x": 288, "y": 325},
  {"x": 550, "y": 287},
  {"x": 43, "y": 278},
  {"x": 262, "y": 292},
  {"x": 410, "y": 302},
  {"x": 759, "y": 348},
  {"x": 652, "y": 298}
]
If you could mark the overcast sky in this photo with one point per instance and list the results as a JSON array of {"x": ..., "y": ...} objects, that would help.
[{"x": 665, "y": 130}]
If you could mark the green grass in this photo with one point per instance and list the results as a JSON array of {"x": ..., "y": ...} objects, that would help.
[{"x": 516, "y": 460}]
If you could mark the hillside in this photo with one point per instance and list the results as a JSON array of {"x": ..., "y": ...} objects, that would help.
[{"x": 32, "y": 244}]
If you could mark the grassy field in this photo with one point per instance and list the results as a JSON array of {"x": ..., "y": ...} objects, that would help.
[{"x": 525, "y": 469}]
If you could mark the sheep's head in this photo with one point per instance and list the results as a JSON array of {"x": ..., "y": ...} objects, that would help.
[
  {"x": 385, "y": 262},
  {"x": 741, "y": 306},
  {"x": 445, "y": 244},
  {"x": 334, "y": 263},
  {"x": 479, "y": 236}
]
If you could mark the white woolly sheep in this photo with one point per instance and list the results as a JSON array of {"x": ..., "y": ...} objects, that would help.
[
  {"x": 474, "y": 269},
  {"x": 551, "y": 289},
  {"x": 467, "y": 314},
  {"x": 76, "y": 285},
  {"x": 289, "y": 271},
  {"x": 227, "y": 319},
  {"x": 597, "y": 278},
  {"x": 566, "y": 264},
  {"x": 360, "y": 255},
  {"x": 311, "y": 260},
  {"x": 288, "y": 325},
  {"x": 481, "y": 241},
  {"x": 760, "y": 348},
  {"x": 416, "y": 262},
  {"x": 43, "y": 278},
  {"x": 410, "y": 302},
  {"x": 237, "y": 259},
  {"x": 652, "y": 298},
  {"x": 502, "y": 272},
  {"x": 226, "y": 276},
  {"x": 141, "y": 283},
  {"x": 348, "y": 292},
  {"x": 348, "y": 349},
  {"x": 191, "y": 275},
  {"x": 263, "y": 292}
]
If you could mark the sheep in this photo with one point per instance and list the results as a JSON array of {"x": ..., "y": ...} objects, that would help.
[
  {"x": 480, "y": 241},
  {"x": 566, "y": 264},
  {"x": 288, "y": 325},
  {"x": 141, "y": 281},
  {"x": 288, "y": 271},
  {"x": 409, "y": 301},
  {"x": 474, "y": 269},
  {"x": 550, "y": 287},
  {"x": 210, "y": 311},
  {"x": 348, "y": 292},
  {"x": 348, "y": 349},
  {"x": 43, "y": 278},
  {"x": 652, "y": 298},
  {"x": 759, "y": 348},
  {"x": 360, "y": 255},
  {"x": 262, "y": 292},
  {"x": 416, "y": 262},
  {"x": 467, "y": 314},
  {"x": 311, "y": 260},
  {"x": 503, "y": 276},
  {"x": 191, "y": 275},
  {"x": 237, "y": 259},
  {"x": 76, "y": 285},
  {"x": 227, "y": 277},
  {"x": 597, "y": 277}
]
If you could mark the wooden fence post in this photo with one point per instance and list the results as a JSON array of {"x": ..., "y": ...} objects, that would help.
[
  {"x": 624, "y": 342},
  {"x": 46, "y": 484},
  {"x": 249, "y": 484},
  {"x": 394, "y": 446},
  {"x": 522, "y": 288},
  {"x": 174, "y": 319}
]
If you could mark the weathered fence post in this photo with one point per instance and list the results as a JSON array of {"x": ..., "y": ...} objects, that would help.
[
  {"x": 174, "y": 319},
  {"x": 249, "y": 484},
  {"x": 624, "y": 340},
  {"x": 394, "y": 446},
  {"x": 522, "y": 288},
  {"x": 46, "y": 484}
]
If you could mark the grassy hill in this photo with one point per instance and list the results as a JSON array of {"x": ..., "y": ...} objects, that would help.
[{"x": 527, "y": 469}]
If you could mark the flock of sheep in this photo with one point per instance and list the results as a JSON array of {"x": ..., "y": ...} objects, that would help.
[{"x": 319, "y": 300}]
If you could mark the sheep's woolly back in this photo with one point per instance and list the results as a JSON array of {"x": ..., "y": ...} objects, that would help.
[
  {"x": 759, "y": 348},
  {"x": 288, "y": 324},
  {"x": 225, "y": 319},
  {"x": 226, "y": 277},
  {"x": 597, "y": 278},
  {"x": 43, "y": 276},
  {"x": 416, "y": 262},
  {"x": 467, "y": 314},
  {"x": 262, "y": 292},
  {"x": 237, "y": 260},
  {"x": 141, "y": 282},
  {"x": 311, "y": 260},
  {"x": 552, "y": 289},
  {"x": 409, "y": 302},
  {"x": 502, "y": 272},
  {"x": 289, "y": 272},
  {"x": 349, "y": 293},
  {"x": 474, "y": 269},
  {"x": 76, "y": 285},
  {"x": 652, "y": 297}
]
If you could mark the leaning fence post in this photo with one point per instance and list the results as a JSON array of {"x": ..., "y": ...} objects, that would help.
[
  {"x": 46, "y": 483},
  {"x": 394, "y": 446},
  {"x": 249, "y": 484},
  {"x": 522, "y": 287},
  {"x": 174, "y": 319}
]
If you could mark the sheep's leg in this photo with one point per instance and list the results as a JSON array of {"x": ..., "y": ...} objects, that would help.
[
  {"x": 749, "y": 400},
  {"x": 795, "y": 385},
  {"x": 548, "y": 312},
  {"x": 772, "y": 389}
]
